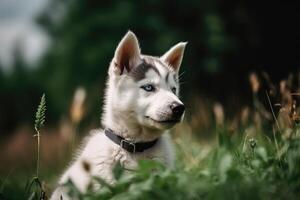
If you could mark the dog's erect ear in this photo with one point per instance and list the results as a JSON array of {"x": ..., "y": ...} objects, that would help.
[
  {"x": 173, "y": 57},
  {"x": 127, "y": 54}
]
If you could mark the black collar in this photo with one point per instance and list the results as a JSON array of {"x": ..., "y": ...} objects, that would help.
[{"x": 129, "y": 146}]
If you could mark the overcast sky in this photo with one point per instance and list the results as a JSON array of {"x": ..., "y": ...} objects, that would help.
[{"x": 17, "y": 26}]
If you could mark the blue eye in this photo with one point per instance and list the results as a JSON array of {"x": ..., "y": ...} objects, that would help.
[{"x": 148, "y": 88}]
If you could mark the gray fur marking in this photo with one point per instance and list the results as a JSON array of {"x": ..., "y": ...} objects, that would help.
[
  {"x": 167, "y": 77},
  {"x": 139, "y": 72}
]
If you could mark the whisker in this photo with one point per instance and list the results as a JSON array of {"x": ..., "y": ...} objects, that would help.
[
  {"x": 180, "y": 75},
  {"x": 179, "y": 78}
]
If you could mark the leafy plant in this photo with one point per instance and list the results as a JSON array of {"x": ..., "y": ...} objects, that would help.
[{"x": 225, "y": 173}]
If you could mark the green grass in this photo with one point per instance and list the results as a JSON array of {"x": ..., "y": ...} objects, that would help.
[
  {"x": 236, "y": 168},
  {"x": 256, "y": 160}
]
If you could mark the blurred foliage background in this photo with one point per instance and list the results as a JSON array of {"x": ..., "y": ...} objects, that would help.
[{"x": 227, "y": 41}]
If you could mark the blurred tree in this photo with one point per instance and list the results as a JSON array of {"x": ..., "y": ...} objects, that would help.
[
  {"x": 17, "y": 92},
  {"x": 227, "y": 39},
  {"x": 85, "y": 34}
]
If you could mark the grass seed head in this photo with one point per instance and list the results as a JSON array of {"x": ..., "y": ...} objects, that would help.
[
  {"x": 254, "y": 82},
  {"x": 77, "y": 108},
  {"x": 40, "y": 114}
]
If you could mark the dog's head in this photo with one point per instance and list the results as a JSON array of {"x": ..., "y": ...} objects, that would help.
[{"x": 145, "y": 89}]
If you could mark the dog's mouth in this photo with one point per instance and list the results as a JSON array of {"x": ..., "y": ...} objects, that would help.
[{"x": 167, "y": 122}]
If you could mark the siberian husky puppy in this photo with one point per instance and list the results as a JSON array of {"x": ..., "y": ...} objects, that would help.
[{"x": 141, "y": 105}]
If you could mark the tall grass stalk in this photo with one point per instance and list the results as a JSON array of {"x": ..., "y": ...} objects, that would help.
[
  {"x": 37, "y": 192},
  {"x": 77, "y": 112},
  {"x": 272, "y": 111},
  {"x": 39, "y": 123}
]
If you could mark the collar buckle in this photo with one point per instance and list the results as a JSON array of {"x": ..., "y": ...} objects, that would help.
[{"x": 123, "y": 141}]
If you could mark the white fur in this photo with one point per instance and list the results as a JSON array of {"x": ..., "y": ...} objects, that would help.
[
  {"x": 102, "y": 154},
  {"x": 125, "y": 108}
]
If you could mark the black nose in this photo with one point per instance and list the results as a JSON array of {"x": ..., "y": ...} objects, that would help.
[{"x": 177, "y": 109}]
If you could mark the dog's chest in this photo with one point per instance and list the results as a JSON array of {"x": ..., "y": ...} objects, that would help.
[
  {"x": 130, "y": 160},
  {"x": 101, "y": 149}
]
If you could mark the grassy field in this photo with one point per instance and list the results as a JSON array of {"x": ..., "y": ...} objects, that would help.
[
  {"x": 254, "y": 155},
  {"x": 238, "y": 167}
]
